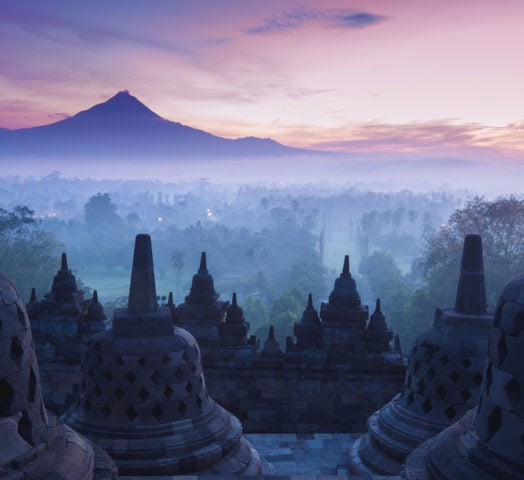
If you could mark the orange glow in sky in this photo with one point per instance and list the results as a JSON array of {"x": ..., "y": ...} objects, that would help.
[{"x": 409, "y": 76}]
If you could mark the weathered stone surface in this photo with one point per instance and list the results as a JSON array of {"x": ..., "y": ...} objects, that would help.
[
  {"x": 443, "y": 377},
  {"x": 309, "y": 330},
  {"x": 202, "y": 312},
  {"x": 276, "y": 391},
  {"x": 144, "y": 400},
  {"x": 488, "y": 442},
  {"x": 33, "y": 446},
  {"x": 62, "y": 322}
]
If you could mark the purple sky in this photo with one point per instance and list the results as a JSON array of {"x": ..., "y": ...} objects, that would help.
[{"x": 438, "y": 77}]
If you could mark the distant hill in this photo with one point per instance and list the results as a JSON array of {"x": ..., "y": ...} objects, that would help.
[{"x": 124, "y": 127}]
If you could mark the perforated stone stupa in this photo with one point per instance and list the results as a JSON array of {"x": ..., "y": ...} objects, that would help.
[
  {"x": 488, "y": 442},
  {"x": 144, "y": 398},
  {"x": 443, "y": 377},
  {"x": 33, "y": 446}
]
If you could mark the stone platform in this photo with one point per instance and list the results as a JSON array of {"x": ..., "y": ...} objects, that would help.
[{"x": 298, "y": 456}]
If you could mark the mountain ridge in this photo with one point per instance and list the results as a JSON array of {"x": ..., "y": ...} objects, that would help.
[{"x": 124, "y": 126}]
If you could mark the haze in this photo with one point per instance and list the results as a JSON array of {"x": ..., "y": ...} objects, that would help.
[{"x": 410, "y": 93}]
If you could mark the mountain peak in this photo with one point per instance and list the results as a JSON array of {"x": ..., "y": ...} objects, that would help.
[{"x": 122, "y": 104}]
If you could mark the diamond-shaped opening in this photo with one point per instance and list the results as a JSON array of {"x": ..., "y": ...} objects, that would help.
[
  {"x": 166, "y": 359},
  {"x": 198, "y": 402},
  {"x": 512, "y": 391},
  {"x": 427, "y": 405},
  {"x": 108, "y": 375},
  {"x": 179, "y": 373},
  {"x": 450, "y": 412},
  {"x": 416, "y": 366},
  {"x": 31, "y": 392},
  {"x": 97, "y": 391},
  {"x": 87, "y": 405},
  {"x": 465, "y": 394},
  {"x": 441, "y": 392},
  {"x": 467, "y": 363},
  {"x": 494, "y": 422},
  {"x": 189, "y": 387},
  {"x": 444, "y": 359},
  {"x": 141, "y": 361},
  {"x": 131, "y": 413},
  {"x": 119, "y": 361},
  {"x": 155, "y": 376},
  {"x": 6, "y": 398},
  {"x": 20, "y": 316},
  {"x": 25, "y": 427},
  {"x": 185, "y": 356},
  {"x": 477, "y": 378},
  {"x": 106, "y": 410},
  {"x": 131, "y": 377},
  {"x": 421, "y": 386},
  {"x": 410, "y": 399},
  {"x": 454, "y": 376},
  {"x": 157, "y": 412},
  {"x": 119, "y": 393},
  {"x": 431, "y": 373},
  {"x": 17, "y": 352},
  {"x": 502, "y": 349},
  {"x": 168, "y": 391},
  {"x": 144, "y": 394},
  {"x": 182, "y": 408}
]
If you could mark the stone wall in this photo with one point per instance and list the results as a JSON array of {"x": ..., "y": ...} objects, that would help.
[{"x": 283, "y": 396}]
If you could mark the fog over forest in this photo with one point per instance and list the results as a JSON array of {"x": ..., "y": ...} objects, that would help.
[{"x": 272, "y": 244}]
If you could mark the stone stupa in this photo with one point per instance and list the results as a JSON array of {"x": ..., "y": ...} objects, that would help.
[
  {"x": 443, "y": 377},
  {"x": 144, "y": 398},
  {"x": 488, "y": 442},
  {"x": 33, "y": 445}
]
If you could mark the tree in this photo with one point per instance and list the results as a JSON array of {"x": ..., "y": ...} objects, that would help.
[
  {"x": 177, "y": 259},
  {"x": 500, "y": 223},
  {"x": 29, "y": 255},
  {"x": 255, "y": 312},
  {"x": 408, "y": 312},
  {"x": 100, "y": 211}
]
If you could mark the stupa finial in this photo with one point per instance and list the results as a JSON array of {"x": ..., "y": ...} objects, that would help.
[{"x": 142, "y": 292}]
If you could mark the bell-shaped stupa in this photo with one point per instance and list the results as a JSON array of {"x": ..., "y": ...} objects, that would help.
[
  {"x": 308, "y": 331},
  {"x": 488, "y": 442},
  {"x": 144, "y": 398},
  {"x": 34, "y": 446},
  {"x": 202, "y": 312},
  {"x": 377, "y": 334},
  {"x": 443, "y": 377},
  {"x": 344, "y": 319}
]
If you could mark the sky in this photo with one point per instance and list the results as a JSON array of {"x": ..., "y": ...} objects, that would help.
[{"x": 420, "y": 78}]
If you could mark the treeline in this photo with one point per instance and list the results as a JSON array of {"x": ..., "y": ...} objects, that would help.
[{"x": 272, "y": 245}]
